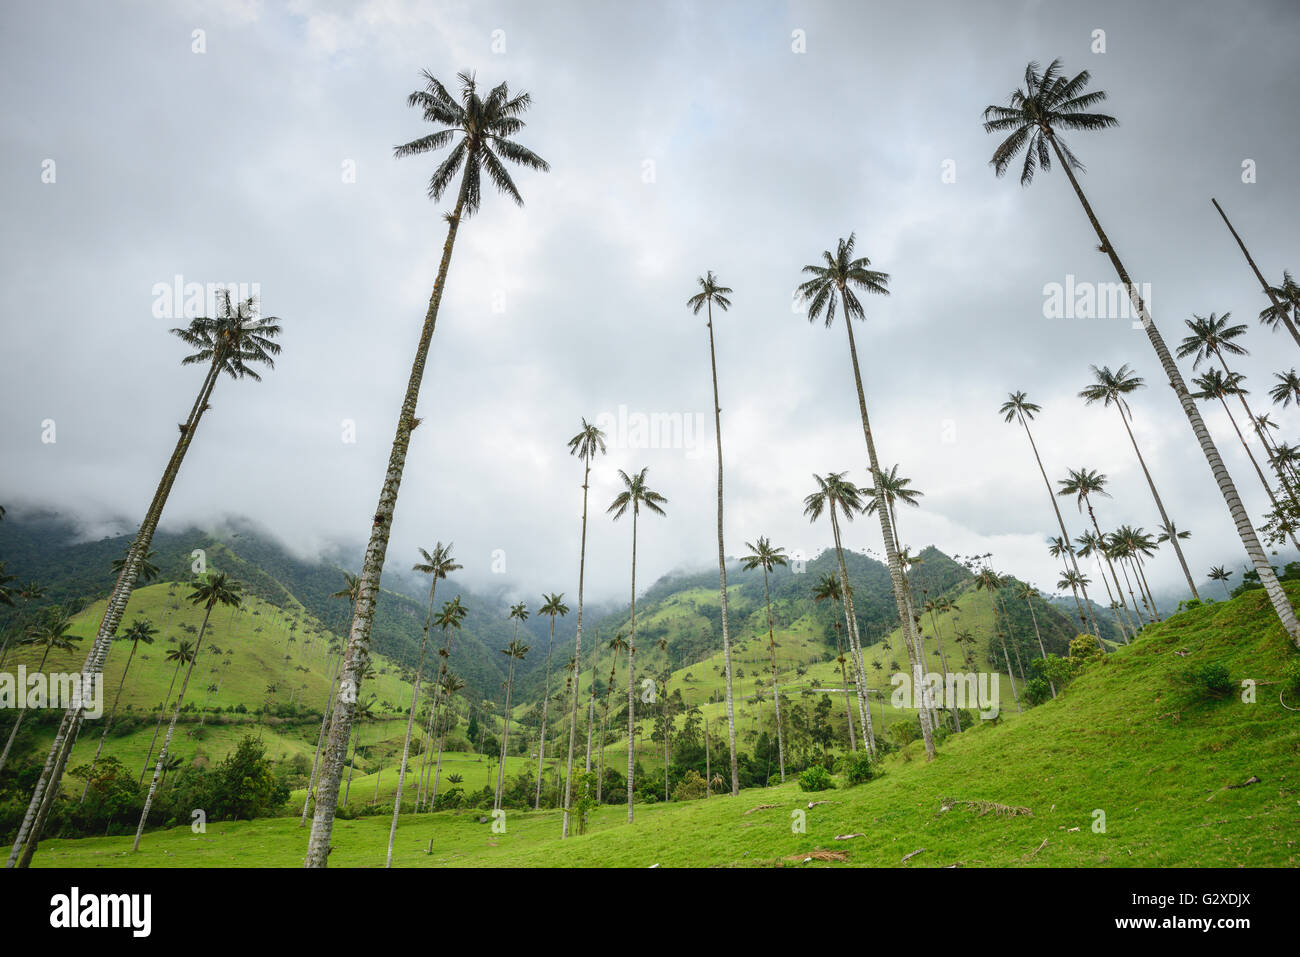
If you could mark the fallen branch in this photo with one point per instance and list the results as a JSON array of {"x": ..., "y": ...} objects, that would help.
[{"x": 908, "y": 857}]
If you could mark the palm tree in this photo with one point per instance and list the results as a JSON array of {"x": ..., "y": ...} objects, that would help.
[
  {"x": 665, "y": 709},
  {"x": 1050, "y": 102},
  {"x": 438, "y": 565},
  {"x": 833, "y": 496},
  {"x": 1213, "y": 336},
  {"x": 937, "y": 606},
  {"x": 1134, "y": 544},
  {"x": 1285, "y": 298},
  {"x": 828, "y": 589},
  {"x": 616, "y": 644},
  {"x": 51, "y": 633},
  {"x": 762, "y": 554},
  {"x": 139, "y": 630},
  {"x": 1091, "y": 543},
  {"x": 25, "y": 594},
  {"x": 635, "y": 494},
  {"x": 213, "y": 589},
  {"x": 1027, "y": 593},
  {"x": 514, "y": 651},
  {"x": 481, "y": 128},
  {"x": 585, "y": 445},
  {"x": 1111, "y": 387},
  {"x": 181, "y": 656},
  {"x": 712, "y": 292},
  {"x": 450, "y": 617},
  {"x": 1220, "y": 574},
  {"x": 350, "y": 589},
  {"x": 842, "y": 274},
  {"x": 991, "y": 582},
  {"x": 1018, "y": 408},
  {"x": 552, "y": 605},
  {"x": 232, "y": 343},
  {"x": 1083, "y": 484}
]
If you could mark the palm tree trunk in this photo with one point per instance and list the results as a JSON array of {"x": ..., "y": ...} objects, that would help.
[
  {"x": 162, "y": 713},
  {"x": 1006, "y": 656},
  {"x": 505, "y": 731},
  {"x": 943, "y": 662},
  {"x": 1255, "y": 551},
  {"x": 320, "y": 741},
  {"x": 1295, "y": 334},
  {"x": 1101, "y": 547},
  {"x": 322, "y": 826},
  {"x": 1020, "y": 665},
  {"x": 1124, "y": 414},
  {"x": 33, "y": 823},
  {"x": 1142, "y": 576},
  {"x": 107, "y": 724},
  {"x": 171, "y": 729},
  {"x": 848, "y": 711},
  {"x": 410, "y": 724},
  {"x": 855, "y": 647},
  {"x": 18, "y": 721},
  {"x": 891, "y": 551},
  {"x": 1268, "y": 490},
  {"x": 546, "y": 700},
  {"x": 1039, "y": 635},
  {"x": 776, "y": 693},
  {"x": 722, "y": 570},
  {"x": 577, "y": 648},
  {"x": 1065, "y": 539},
  {"x": 631, "y": 678}
]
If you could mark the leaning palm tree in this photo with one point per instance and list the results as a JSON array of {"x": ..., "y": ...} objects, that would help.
[
  {"x": 552, "y": 605},
  {"x": 1082, "y": 484},
  {"x": 1287, "y": 389},
  {"x": 1111, "y": 388},
  {"x": 1220, "y": 574},
  {"x": 1049, "y": 102},
  {"x": 711, "y": 293},
  {"x": 828, "y": 589},
  {"x": 480, "y": 127},
  {"x": 589, "y": 441},
  {"x": 140, "y": 630},
  {"x": 1285, "y": 299},
  {"x": 515, "y": 652},
  {"x": 636, "y": 493},
  {"x": 838, "y": 278},
  {"x": 438, "y": 565},
  {"x": 762, "y": 554},
  {"x": 835, "y": 496},
  {"x": 1133, "y": 545},
  {"x": 1214, "y": 335},
  {"x": 52, "y": 635},
  {"x": 231, "y": 343},
  {"x": 180, "y": 655},
  {"x": 213, "y": 589},
  {"x": 1091, "y": 544},
  {"x": 1018, "y": 408}
]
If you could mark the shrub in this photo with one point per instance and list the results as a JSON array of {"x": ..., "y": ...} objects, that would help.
[
  {"x": 690, "y": 787},
  {"x": 816, "y": 778},
  {"x": 860, "y": 768},
  {"x": 1209, "y": 679}
]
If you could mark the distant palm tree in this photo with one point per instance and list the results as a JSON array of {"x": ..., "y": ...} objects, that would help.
[
  {"x": 552, "y": 605},
  {"x": 1082, "y": 484},
  {"x": 515, "y": 651},
  {"x": 1049, "y": 102},
  {"x": 51, "y": 633},
  {"x": 616, "y": 644},
  {"x": 1133, "y": 545},
  {"x": 763, "y": 554},
  {"x": 834, "y": 496},
  {"x": 1091, "y": 543},
  {"x": 586, "y": 444},
  {"x": 450, "y": 684},
  {"x": 1111, "y": 388},
  {"x": 711, "y": 293},
  {"x": 481, "y": 128},
  {"x": 841, "y": 275},
  {"x": 438, "y": 565},
  {"x": 25, "y": 594},
  {"x": 635, "y": 494},
  {"x": 991, "y": 582},
  {"x": 140, "y": 630},
  {"x": 1027, "y": 593},
  {"x": 1220, "y": 574},
  {"x": 211, "y": 590},
  {"x": 181, "y": 656},
  {"x": 828, "y": 589},
  {"x": 451, "y": 617},
  {"x": 231, "y": 343}
]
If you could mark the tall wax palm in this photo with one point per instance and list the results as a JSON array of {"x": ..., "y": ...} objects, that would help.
[
  {"x": 1134, "y": 545},
  {"x": 828, "y": 589},
  {"x": 1048, "y": 103},
  {"x": 586, "y": 444},
  {"x": 991, "y": 582},
  {"x": 839, "y": 277},
  {"x": 1111, "y": 388},
  {"x": 438, "y": 565},
  {"x": 616, "y": 644},
  {"x": 762, "y": 554},
  {"x": 350, "y": 589},
  {"x": 140, "y": 630},
  {"x": 636, "y": 493},
  {"x": 1287, "y": 389},
  {"x": 1082, "y": 484},
  {"x": 514, "y": 651},
  {"x": 1220, "y": 574},
  {"x": 51, "y": 633},
  {"x": 213, "y": 589},
  {"x": 836, "y": 496},
  {"x": 1091, "y": 544},
  {"x": 711, "y": 293},
  {"x": 451, "y": 618},
  {"x": 1018, "y": 408},
  {"x": 552, "y": 605},
  {"x": 231, "y": 343},
  {"x": 1027, "y": 593},
  {"x": 180, "y": 656},
  {"x": 1215, "y": 336},
  {"x": 479, "y": 129}
]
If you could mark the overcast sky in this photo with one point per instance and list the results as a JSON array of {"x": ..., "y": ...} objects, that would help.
[{"x": 681, "y": 137}]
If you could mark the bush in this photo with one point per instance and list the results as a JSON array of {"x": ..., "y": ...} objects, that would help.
[
  {"x": 1209, "y": 680},
  {"x": 690, "y": 787},
  {"x": 860, "y": 768},
  {"x": 816, "y": 778}
]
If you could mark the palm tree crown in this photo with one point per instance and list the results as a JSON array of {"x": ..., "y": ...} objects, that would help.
[
  {"x": 635, "y": 494},
  {"x": 842, "y": 273}
]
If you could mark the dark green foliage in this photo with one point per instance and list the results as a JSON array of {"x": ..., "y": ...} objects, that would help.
[
  {"x": 860, "y": 768},
  {"x": 815, "y": 778},
  {"x": 1209, "y": 679}
]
